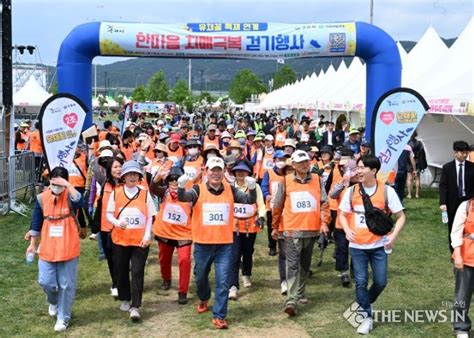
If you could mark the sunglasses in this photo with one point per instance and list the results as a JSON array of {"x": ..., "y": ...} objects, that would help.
[{"x": 172, "y": 179}]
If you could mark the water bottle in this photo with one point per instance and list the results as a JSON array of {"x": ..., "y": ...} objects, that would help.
[
  {"x": 385, "y": 241},
  {"x": 30, "y": 257},
  {"x": 444, "y": 216}
]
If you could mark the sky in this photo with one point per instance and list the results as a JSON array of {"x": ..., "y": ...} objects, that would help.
[{"x": 45, "y": 23}]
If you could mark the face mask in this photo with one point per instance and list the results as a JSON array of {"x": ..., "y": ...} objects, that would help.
[
  {"x": 242, "y": 141},
  {"x": 269, "y": 149},
  {"x": 280, "y": 165},
  {"x": 235, "y": 152},
  {"x": 57, "y": 190},
  {"x": 193, "y": 151},
  {"x": 211, "y": 155}
]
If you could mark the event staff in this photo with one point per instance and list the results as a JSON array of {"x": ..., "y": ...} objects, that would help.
[
  {"x": 130, "y": 209},
  {"x": 55, "y": 223},
  {"x": 248, "y": 221},
  {"x": 302, "y": 203},
  {"x": 366, "y": 247},
  {"x": 172, "y": 229},
  {"x": 462, "y": 240},
  {"x": 212, "y": 228}
]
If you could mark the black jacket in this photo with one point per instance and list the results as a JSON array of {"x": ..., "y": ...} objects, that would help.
[{"x": 448, "y": 185}]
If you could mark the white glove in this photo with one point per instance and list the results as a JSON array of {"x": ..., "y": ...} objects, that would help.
[
  {"x": 182, "y": 181},
  {"x": 251, "y": 182}
]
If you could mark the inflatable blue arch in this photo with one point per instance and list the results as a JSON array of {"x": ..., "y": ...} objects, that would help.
[{"x": 245, "y": 40}]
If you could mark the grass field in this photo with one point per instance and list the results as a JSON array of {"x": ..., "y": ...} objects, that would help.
[{"x": 420, "y": 278}]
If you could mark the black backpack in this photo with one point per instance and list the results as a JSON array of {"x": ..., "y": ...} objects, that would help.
[{"x": 378, "y": 221}]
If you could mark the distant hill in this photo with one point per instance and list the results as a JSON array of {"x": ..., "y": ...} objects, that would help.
[{"x": 216, "y": 73}]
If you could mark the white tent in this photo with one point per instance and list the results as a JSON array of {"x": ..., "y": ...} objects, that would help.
[{"x": 31, "y": 94}]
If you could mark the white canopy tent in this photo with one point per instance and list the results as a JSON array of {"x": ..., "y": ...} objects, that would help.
[{"x": 31, "y": 94}]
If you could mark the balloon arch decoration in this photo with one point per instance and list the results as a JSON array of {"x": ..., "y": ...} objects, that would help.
[{"x": 250, "y": 40}]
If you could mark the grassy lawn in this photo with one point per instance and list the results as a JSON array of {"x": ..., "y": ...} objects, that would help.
[{"x": 420, "y": 277}]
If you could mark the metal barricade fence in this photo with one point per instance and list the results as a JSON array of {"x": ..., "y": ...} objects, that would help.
[
  {"x": 4, "y": 198},
  {"x": 22, "y": 173}
]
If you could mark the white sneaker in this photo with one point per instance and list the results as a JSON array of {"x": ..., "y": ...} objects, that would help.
[
  {"x": 246, "y": 281},
  {"x": 125, "y": 306},
  {"x": 53, "y": 310},
  {"x": 284, "y": 287},
  {"x": 134, "y": 313},
  {"x": 233, "y": 293},
  {"x": 61, "y": 326},
  {"x": 366, "y": 326},
  {"x": 93, "y": 237},
  {"x": 114, "y": 292},
  {"x": 462, "y": 334}
]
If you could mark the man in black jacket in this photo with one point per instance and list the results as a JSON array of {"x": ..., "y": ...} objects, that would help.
[{"x": 456, "y": 182}]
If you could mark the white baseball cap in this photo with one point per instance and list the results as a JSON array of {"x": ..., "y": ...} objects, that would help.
[
  {"x": 299, "y": 156},
  {"x": 103, "y": 144},
  {"x": 230, "y": 126},
  {"x": 269, "y": 138},
  {"x": 142, "y": 137},
  {"x": 214, "y": 162},
  {"x": 106, "y": 153}
]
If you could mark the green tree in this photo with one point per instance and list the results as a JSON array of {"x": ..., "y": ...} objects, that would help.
[
  {"x": 102, "y": 102},
  {"x": 180, "y": 92},
  {"x": 205, "y": 96},
  {"x": 188, "y": 103},
  {"x": 139, "y": 94},
  {"x": 283, "y": 76},
  {"x": 244, "y": 84},
  {"x": 120, "y": 100},
  {"x": 157, "y": 89},
  {"x": 53, "y": 89}
]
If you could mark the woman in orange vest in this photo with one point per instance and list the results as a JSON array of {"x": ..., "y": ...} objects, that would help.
[
  {"x": 249, "y": 219},
  {"x": 212, "y": 228},
  {"x": 128, "y": 146},
  {"x": 211, "y": 136},
  {"x": 364, "y": 245},
  {"x": 113, "y": 174},
  {"x": 172, "y": 229},
  {"x": 54, "y": 221},
  {"x": 266, "y": 159},
  {"x": 175, "y": 152},
  {"x": 301, "y": 204},
  {"x": 130, "y": 209},
  {"x": 192, "y": 165},
  {"x": 462, "y": 240}
]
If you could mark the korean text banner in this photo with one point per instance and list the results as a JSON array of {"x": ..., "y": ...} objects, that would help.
[
  {"x": 251, "y": 40},
  {"x": 61, "y": 118},
  {"x": 397, "y": 114}
]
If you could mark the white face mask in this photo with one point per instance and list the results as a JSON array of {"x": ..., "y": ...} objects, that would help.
[
  {"x": 193, "y": 151},
  {"x": 235, "y": 152},
  {"x": 57, "y": 190},
  {"x": 211, "y": 155},
  {"x": 280, "y": 165}
]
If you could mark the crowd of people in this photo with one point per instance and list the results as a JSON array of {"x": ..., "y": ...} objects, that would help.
[{"x": 208, "y": 184}]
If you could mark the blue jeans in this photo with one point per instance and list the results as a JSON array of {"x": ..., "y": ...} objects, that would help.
[
  {"x": 59, "y": 282},
  {"x": 378, "y": 262},
  {"x": 204, "y": 256}
]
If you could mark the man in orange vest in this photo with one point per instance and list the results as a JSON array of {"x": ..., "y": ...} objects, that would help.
[
  {"x": 301, "y": 204},
  {"x": 364, "y": 245},
  {"x": 212, "y": 232},
  {"x": 54, "y": 221},
  {"x": 462, "y": 240}
]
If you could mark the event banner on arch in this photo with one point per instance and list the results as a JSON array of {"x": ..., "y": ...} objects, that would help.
[
  {"x": 249, "y": 40},
  {"x": 396, "y": 115}
]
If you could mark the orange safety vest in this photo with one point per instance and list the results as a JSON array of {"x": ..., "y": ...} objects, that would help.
[
  {"x": 274, "y": 181},
  {"x": 105, "y": 225},
  {"x": 357, "y": 216},
  {"x": 245, "y": 216},
  {"x": 213, "y": 216},
  {"x": 78, "y": 171},
  {"x": 173, "y": 220},
  {"x": 280, "y": 137},
  {"x": 302, "y": 210},
  {"x": 192, "y": 169},
  {"x": 267, "y": 164},
  {"x": 175, "y": 155},
  {"x": 103, "y": 135},
  {"x": 59, "y": 234},
  {"x": 24, "y": 136},
  {"x": 128, "y": 151},
  {"x": 151, "y": 151},
  {"x": 336, "y": 178},
  {"x": 35, "y": 143},
  {"x": 339, "y": 199},
  {"x": 207, "y": 141},
  {"x": 467, "y": 248},
  {"x": 135, "y": 214}
]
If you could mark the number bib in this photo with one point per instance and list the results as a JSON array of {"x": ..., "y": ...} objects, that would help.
[
  {"x": 74, "y": 171},
  {"x": 174, "y": 159},
  {"x": 267, "y": 163},
  {"x": 280, "y": 138},
  {"x": 191, "y": 172},
  {"x": 302, "y": 201},
  {"x": 56, "y": 231},
  {"x": 244, "y": 210},
  {"x": 215, "y": 213},
  {"x": 305, "y": 137},
  {"x": 174, "y": 214},
  {"x": 134, "y": 218},
  {"x": 359, "y": 217}
]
